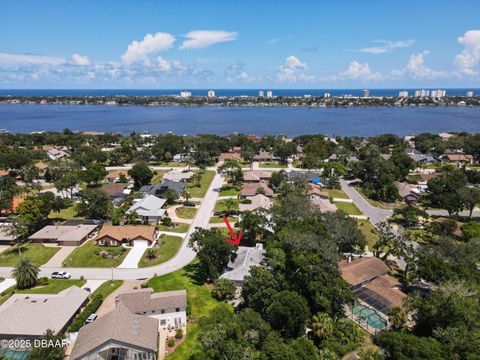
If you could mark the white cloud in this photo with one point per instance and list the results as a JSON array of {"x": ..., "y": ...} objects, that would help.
[
  {"x": 293, "y": 70},
  {"x": 18, "y": 59},
  {"x": 385, "y": 46},
  {"x": 139, "y": 50},
  {"x": 466, "y": 61},
  {"x": 80, "y": 60},
  {"x": 202, "y": 38},
  {"x": 236, "y": 72},
  {"x": 358, "y": 71},
  {"x": 418, "y": 70}
]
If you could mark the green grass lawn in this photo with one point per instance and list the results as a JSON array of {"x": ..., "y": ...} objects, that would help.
[
  {"x": 38, "y": 254},
  {"x": 107, "y": 288},
  {"x": 199, "y": 300},
  {"x": 186, "y": 212},
  {"x": 380, "y": 204},
  {"x": 86, "y": 256},
  {"x": 367, "y": 228},
  {"x": 169, "y": 246},
  {"x": 229, "y": 190},
  {"x": 336, "y": 193},
  {"x": 69, "y": 213},
  {"x": 219, "y": 219},
  {"x": 158, "y": 177},
  {"x": 181, "y": 228},
  {"x": 199, "y": 192},
  {"x": 54, "y": 286},
  {"x": 220, "y": 205},
  {"x": 348, "y": 208},
  {"x": 272, "y": 165}
]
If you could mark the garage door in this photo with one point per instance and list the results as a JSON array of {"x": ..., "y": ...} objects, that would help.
[{"x": 140, "y": 243}]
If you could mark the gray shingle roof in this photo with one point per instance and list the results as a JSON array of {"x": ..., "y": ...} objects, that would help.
[
  {"x": 145, "y": 300},
  {"x": 245, "y": 259}
]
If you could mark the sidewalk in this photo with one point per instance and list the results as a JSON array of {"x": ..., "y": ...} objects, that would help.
[{"x": 5, "y": 284}]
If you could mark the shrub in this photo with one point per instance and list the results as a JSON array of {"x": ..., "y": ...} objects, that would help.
[
  {"x": 144, "y": 285},
  {"x": 43, "y": 281},
  {"x": 171, "y": 342},
  {"x": 167, "y": 221},
  {"x": 223, "y": 289},
  {"x": 179, "y": 334},
  {"x": 88, "y": 310},
  {"x": 471, "y": 230}
]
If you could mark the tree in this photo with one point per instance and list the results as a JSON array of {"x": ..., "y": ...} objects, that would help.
[
  {"x": 232, "y": 170},
  {"x": 322, "y": 326},
  {"x": 410, "y": 214},
  {"x": 344, "y": 231},
  {"x": 278, "y": 178},
  {"x": 131, "y": 218},
  {"x": 397, "y": 318},
  {"x": 444, "y": 190},
  {"x": 259, "y": 287},
  {"x": 405, "y": 346},
  {"x": 285, "y": 150},
  {"x": 8, "y": 189},
  {"x": 186, "y": 194},
  {"x": 25, "y": 274},
  {"x": 288, "y": 313},
  {"x": 470, "y": 197},
  {"x": 223, "y": 289},
  {"x": 94, "y": 204},
  {"x": 141, "y": 174},
  {"x": 170, "y": 196},
  {"x": 54, "y": 350},
  {"x": 471, "y": 230},
  {"x": 388, "y": 243},
  {"x": 229, "y": 205},
  {"x": 67, "y": 183},
  {"x": 212, "y": 250},
  {"x": 253, "y": 226},
  {"x": 93, "y": 174}
]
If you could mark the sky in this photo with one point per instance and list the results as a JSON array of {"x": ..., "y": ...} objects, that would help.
[{"x": 239, "y": 44}]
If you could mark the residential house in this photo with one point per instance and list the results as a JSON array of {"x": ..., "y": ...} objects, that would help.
[
  {"x": 149, "y": 209},
  {"x": 117, "y": 176},
  {"x": 16, "y": 201},
  {"x": 252, "y": 189},
  {"x": 256, "y": 176},
  {"x": 64, "y": 235},
  {"x": 409, "y": 193},
  {"x": 314, "y": 193},
  {"x": 117, "y": 192},
  {"x": 245, "y": 259},
  {"x": 230, "y": 156},
  {"x": 264, "y": 156},
  {"x": 120, "y": 334},
  {"x": 29, "y": 316},
  {"x": 56, "y": 154},
  {"x": 178, "y": 176},
  {"x": 323, "y": 205},
  {"x": 419, "y": 157},
  {"x": 254, "y": 138},
  {"x": 371, "y": 283},
  {"x": 458, "y": 157},
  {"x": 6, "y": 238},
  {"x": 310, "y": 176},
  {"x": 258, "y": 202},
  {"x": 127, "y": 234},
  {"x": 159, "y": 189}
]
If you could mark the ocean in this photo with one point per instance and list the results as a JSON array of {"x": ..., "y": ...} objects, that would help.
[{"x": 225, "y": 120}]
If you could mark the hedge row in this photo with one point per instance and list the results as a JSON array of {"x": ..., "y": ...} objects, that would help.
[{"x": 88, "y": 310}]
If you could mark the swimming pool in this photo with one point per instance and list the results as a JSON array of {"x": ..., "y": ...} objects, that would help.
[{"x": 369, "y": 316}]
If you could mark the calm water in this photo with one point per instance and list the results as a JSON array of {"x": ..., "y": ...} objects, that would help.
[{"x": 223, "y": 121}]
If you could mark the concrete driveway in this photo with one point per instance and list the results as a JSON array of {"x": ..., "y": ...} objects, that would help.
[
  {"x": 134, "y": 256},
  {"x": 5, "y": 284},
  {"x": 93, "y": 284},
  {"x": 62, "y": 254}
]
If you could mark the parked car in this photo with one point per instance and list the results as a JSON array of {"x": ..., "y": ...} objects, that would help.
[
  {"x": 61, "y": 275},
  {"x": 87, "y": 289},
  {"x": 91, "y": 319}
]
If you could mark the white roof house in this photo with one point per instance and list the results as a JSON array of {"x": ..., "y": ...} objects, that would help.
[
  {"x": 55, "y": 154},
  {"x": 259, "y": 201},
  {"x": 149, "y": 208},
  {"x": 178, "y": 176},
  {"x": 245, "y": 259}
]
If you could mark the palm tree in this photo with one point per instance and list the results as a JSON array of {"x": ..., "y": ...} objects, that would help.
[
  {"x": 322, "y": 326},
  {"x": 131, "y": 218},
  {"x": 186, "y": 194},
  {"x": 229, "y": 204},
  {"x": 25, "y": 274},
  {"x": 397, "y": 318}
]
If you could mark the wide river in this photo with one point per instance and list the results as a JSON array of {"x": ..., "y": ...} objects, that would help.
[{"x": 225, "y": 120}]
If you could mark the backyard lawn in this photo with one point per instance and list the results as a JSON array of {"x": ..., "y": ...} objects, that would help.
[
  {"x": 54, "y": 286},
  {"x": 219, "y": 219},
  {"x": 200, "y": 303},
  {"x": 229, "y": 190},
  {"x": 180, "y": 228},
  {"x": 169, "y": 246},
  {"x": 186, "y": 212},
  {"x": 38, "y": 254},
  {"x": 69, "y": 213},
  {"x": 369, "y": 231},
  {"x": 107, "y": 288},
  {"x": 272, "y": 165},
  {"x": 199, "y": 192},
  {"x": 88, "y": 255},
  {"x": 221, "y": 205},
  {"x": 336, "y": 193},
  {"x": 158, "y": 177},
  {"x": 348, "y": 208},
  {"x": 380, "y": 204}
]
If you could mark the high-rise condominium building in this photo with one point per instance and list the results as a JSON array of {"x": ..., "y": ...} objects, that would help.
[{"x": 211, "y": 94}]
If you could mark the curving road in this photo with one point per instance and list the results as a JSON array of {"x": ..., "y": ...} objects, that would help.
[{"x": 183, "y": 258}]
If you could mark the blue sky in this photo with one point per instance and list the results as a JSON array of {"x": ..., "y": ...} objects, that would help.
[{"x": 241, "y": 44}]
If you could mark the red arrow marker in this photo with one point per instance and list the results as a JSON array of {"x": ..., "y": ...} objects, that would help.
[{"x": 236, "y": 239}]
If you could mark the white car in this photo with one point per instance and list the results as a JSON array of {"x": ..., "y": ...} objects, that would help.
[
  {"x": 61, "y": 275},
  {"x": 91, "y": 319}
]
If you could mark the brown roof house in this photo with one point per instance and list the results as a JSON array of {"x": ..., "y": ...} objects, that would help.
[
  {"x": 127, "y": 234},
  {"x": 264, "y": 156},
  {"x": 459, "y": 158},
  {"x": 252, "y": 189},
  {"x": 117, "y": 176},
  {"x": 116, "y": 191},
  {"x": 323, "y": 205},
  {"x": 256, "y": 176},
  {"x": 65, "y": 235},
  {"x": 408, "y": 192},
  {"x": 258, "y": 202},
  {"x": 314, "y": 193},
  {"x": 28, "y": 316},
  {"x": 230, "y": 156}
]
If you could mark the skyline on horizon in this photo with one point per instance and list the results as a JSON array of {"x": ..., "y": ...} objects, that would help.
[{"x": 213, "y": 45}]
